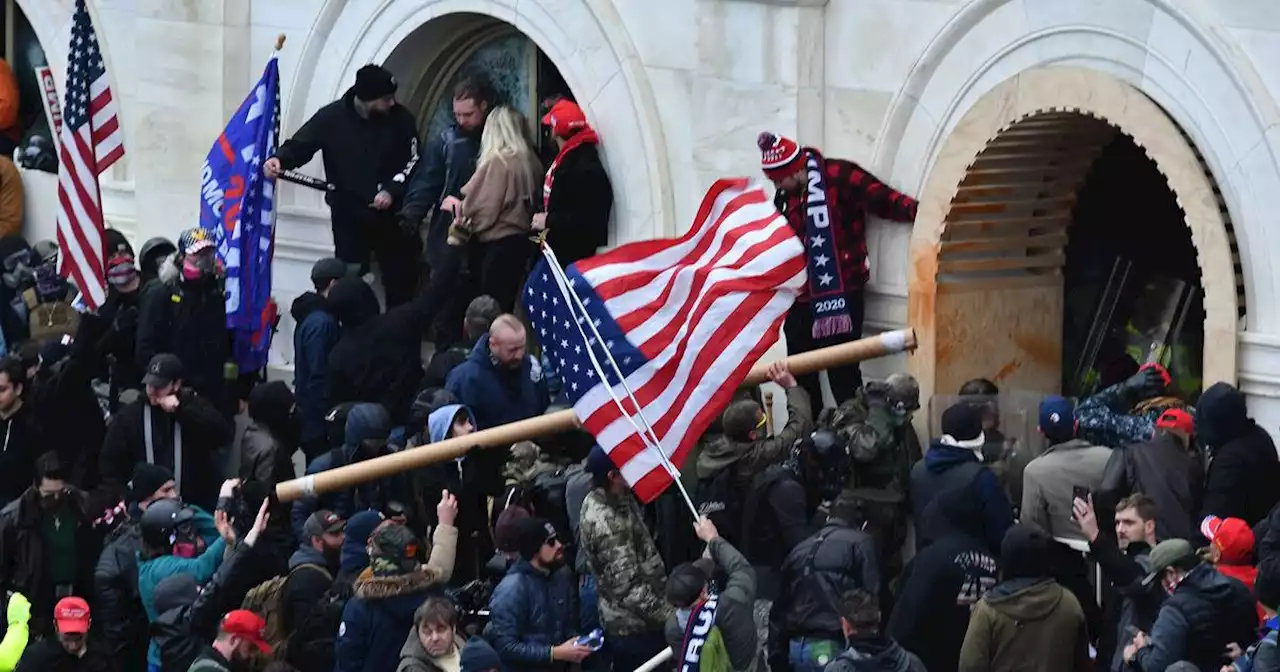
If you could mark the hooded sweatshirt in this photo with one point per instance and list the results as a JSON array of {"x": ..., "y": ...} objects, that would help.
[
  {"x": 1027, "y": 620},
  {"x": 1244, "y": 470},
  {"x": 314, "y": 335},
  {"x": 875, "y": 654},
  {"x": 269, "y": 442},
  {"x": 944, "y": 581},
  {"x": 355, "y": 553},
  {"x": 946, "y": 467},
  {"x": 365, "y": 423}
]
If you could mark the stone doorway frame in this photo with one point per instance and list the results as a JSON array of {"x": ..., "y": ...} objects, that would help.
[{"x": 1095, "y": 94}]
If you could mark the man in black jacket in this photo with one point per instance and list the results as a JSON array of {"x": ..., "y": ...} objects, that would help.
[
  {"x": 1242, "y": 476},
  {"x": 435, "y": 190},
  {"x": 312, "y": 567},
  {"x": 942, "y": 583},
  {"x": 577, "y": 195},
  {"x": 804, "y": 626},
  {"x": 171, "y": 426},
  {"x": 122, "y": 621},
  {"x": 1167, "y": 469},
  {"x": 48, "y": 544},
  {"x": 378, "y": 357},
  {"x": 72, "y": 650},
  {"x": 1124, "y": 559},
  {"x": 370, "y": 145}
]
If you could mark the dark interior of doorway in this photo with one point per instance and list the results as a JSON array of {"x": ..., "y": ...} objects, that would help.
[{"x": 1128, "y": 219}]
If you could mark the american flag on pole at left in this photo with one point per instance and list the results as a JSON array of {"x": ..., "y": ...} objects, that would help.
[
  {"x": 91, "y": 141},
  {"x": 684, "y": 319}
]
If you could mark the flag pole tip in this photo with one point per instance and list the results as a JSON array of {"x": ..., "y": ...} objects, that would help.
[{"x": 279, "y": 41}]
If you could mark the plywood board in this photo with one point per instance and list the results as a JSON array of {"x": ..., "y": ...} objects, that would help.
[{"x": 1011, "y": 336}]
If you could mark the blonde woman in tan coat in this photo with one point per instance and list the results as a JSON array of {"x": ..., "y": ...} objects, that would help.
[{"x": 498, "y": 204}]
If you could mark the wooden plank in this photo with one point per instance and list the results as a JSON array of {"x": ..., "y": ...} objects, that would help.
[
  {"x": 1022, "y": 176},
  {"x": 962, "y": 284},
  {"x": 959, "y": 210},
  {"x": 1051, "y": 260},
  {"x": 1055, "y": 240},
  {"x": 1011, "y": 228},
  {"x": 982, "y": 193},
  {"x": 1012, "y": 336}
]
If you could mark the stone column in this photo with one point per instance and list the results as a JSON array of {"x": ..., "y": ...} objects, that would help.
[{"x": 193, "y": 72}]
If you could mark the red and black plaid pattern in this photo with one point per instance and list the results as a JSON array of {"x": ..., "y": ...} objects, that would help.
[{"x": 851, "y": 193}]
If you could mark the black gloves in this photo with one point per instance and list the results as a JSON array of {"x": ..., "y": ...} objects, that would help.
[{"x": 1147, "y": 383}]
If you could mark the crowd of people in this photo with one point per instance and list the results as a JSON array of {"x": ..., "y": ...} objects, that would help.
[{"x": 142, "y": 530}]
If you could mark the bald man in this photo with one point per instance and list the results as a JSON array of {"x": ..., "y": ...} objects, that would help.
[{"x": 500, "y": 382}]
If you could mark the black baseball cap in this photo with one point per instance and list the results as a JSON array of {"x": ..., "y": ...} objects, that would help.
[
  {"x": 163, "y": 369},
  {"x": 328, "y": 270}
]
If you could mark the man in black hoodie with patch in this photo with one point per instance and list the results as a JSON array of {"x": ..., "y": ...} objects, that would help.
[
  {"x": 942, "y": 583},
  {"x": 370, "y": 145},
  {"x": 315, "y": 332},
  {"x": 1244, "y": 469}
]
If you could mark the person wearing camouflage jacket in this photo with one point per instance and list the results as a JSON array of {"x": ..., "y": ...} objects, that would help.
[
  {"x": 1126, "y": 412},
  {"x": 630, "y": 576}
]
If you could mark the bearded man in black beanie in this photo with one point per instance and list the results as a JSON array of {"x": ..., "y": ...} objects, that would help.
[
  {"x": 531, "y": 619},
  {"x": 370, "y": 145}
]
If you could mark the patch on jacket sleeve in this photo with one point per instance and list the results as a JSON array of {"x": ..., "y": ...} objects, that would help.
[{"x": 535, "y": 370}]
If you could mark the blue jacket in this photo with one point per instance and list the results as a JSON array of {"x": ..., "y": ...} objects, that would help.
[
  {"x": 496, "y": 396},
  {"x": 365, "y": 422},
  {"x": 315, "y": 334},
  {"x": 376, "y": 620},
  {"x": 201, "y": 568},
  {"x": 945, "y": 467},
  {"x": 444, "y": 166},
  {"x": 530, "y": 612}
]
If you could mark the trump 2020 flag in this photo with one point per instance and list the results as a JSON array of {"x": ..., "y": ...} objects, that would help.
[
  {"x": 684, "y": 320},
  {"x": 237, "y": 205}
]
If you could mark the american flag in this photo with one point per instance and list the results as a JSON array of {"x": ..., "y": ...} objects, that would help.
[
  {"x": 91, "y": 141},
  {"x": 684, "y": 319}
]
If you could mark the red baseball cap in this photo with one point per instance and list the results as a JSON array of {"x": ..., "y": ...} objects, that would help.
[
  {"x": 564, "y": 117},
  {"x": 71, "y": 615},
  {"x": 1178, "y": 420},
  {"x": 1232, "y": 536},
  {"x": 248, "y": 625}
]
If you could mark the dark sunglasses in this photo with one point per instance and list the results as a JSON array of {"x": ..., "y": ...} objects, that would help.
[{"x": 552, "y": 541}]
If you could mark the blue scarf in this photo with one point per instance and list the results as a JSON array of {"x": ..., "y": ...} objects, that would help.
[
  {"x": 698, "y": 634},
  {"x": 826, "y": 282}
]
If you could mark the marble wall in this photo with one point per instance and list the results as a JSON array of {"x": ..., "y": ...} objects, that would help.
[{"x": 680, "y": 89}]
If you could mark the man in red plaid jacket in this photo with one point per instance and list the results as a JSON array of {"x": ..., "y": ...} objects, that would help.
[{"x": 826, "y": 202}]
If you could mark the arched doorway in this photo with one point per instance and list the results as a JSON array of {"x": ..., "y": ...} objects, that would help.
[
  {"x": 997, "y": 284},
  {"x": 433, "y": 58}
]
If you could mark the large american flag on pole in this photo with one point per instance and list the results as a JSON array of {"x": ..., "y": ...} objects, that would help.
[
  {"x": 91, "y": 141},
  {"x": 684, "y": 319}
]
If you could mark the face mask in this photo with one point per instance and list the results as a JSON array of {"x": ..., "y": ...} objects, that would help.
[{"x": 202, "y": 266}]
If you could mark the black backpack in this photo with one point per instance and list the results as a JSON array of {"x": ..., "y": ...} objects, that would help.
[
  {"x": 311, "y": 644},
  {"x": 546, "y": 495}
]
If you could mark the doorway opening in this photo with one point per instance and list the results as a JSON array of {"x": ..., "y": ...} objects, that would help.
[
  {"x": 1064, "y": 254},
  {"x": 440, "y": 53}
]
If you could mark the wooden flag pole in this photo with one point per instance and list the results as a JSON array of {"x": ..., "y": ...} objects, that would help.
[{"x": 888, "y": 343}]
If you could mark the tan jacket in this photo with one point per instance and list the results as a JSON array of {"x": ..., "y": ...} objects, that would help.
[
  {"x": 499, "y": 198},
  {"x": 10, "y": 198},
  {"x": 1048, "y": 482}
]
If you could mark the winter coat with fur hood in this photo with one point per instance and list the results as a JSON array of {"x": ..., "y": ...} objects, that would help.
[{"x": 375, "y": 620}]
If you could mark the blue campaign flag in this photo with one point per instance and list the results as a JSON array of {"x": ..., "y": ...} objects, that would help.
[{"x": 237, "y": 206}]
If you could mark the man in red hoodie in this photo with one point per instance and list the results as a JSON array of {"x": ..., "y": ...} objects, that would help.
[
  {"x": 826, "y": 202},
  {"x": 1231, "y": 551}
]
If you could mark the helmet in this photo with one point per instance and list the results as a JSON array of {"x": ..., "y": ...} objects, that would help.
[
  {"x": 152, "y": 253},
  {"x": 161, "y": 520},
  {"x": 45, "y": 252}
]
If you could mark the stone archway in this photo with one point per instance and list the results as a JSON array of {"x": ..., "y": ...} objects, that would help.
[
  {"x": 1063, "y": 100},
  {"x": 588, "y": 44}
]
